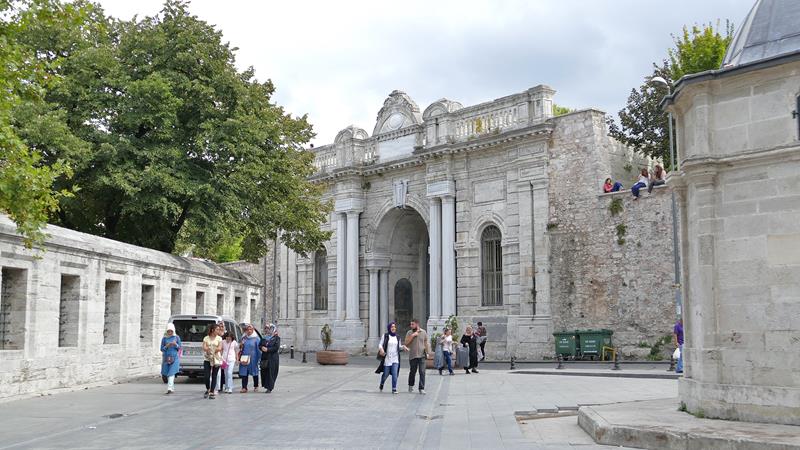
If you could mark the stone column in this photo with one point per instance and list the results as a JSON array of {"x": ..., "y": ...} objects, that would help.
[
  {"x": 434, "y": 232},
  {"x": 341, "y": 264},
  {"x": 352, "y": 266},
  {"x": 374, "y": 320},
  {"x": 384, "y": 299},
  {"x": 448, "y": 256}
]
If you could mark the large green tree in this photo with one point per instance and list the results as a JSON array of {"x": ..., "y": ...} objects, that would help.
[
  {"x": 27, "y": 174},
  {"x": 184, "y": 150},
  {"x": 642, "y": 123}
]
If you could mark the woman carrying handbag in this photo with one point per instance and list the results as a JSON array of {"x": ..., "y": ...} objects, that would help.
[{"x": 230, "y": 348}]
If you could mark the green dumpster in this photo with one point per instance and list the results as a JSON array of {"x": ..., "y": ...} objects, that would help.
[
  {"x": 565, "y": 343},
  {"x": 591, "y": 342}
]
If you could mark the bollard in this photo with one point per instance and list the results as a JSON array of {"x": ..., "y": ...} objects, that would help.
[
  {"x": 304, "y": 357},
  {"x": 291, "y": 352},
  {"x": 671, "y": 364},
  {"x": 560, "y": 362},
  {"x": 512, "y": 363},
  {"x": 616, "y": 362}
]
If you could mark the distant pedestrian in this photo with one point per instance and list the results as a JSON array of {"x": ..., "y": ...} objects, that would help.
[
  {"x": 230, "y": 348},
  {"x": 221, "y": 371},
  {"x": 170, "y": 357},
  {"x": 212, "y": 359},
  {"x": 657, "y": 178},
  {"x": 270, "y": 357},
  {"x": 677, "y": 335},
  {"x": 644, "y": 179},
  {"x": 249, "y": 358},
  {"x": 418, "y": 348},
  {"x": 389, "y": 355},
  {"x": 470, "y": 340},
  {"x": 482, "y": 339},
  {"x": 447, "y": 351}
]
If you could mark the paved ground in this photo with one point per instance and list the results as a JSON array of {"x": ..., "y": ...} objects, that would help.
[{"x": 326, "y": 407}]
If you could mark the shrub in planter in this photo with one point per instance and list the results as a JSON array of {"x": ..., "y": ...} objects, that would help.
[{"x": 330, "y": 357}]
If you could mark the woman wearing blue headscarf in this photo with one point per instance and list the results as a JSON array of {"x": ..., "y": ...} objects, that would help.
[
  {"x": 249, "y": 358},
  {"x": 389, "y": 355}
]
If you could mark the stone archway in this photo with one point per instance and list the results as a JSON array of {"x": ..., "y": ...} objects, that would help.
[{"x": 400, "y": 243}]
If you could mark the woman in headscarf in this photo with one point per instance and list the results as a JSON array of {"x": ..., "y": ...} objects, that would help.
[
  {"x": 170, "y": 358},
  {"x": 249, "y": 358},
  {"x": 389, "y": 355},
  {"x": 270, "y": 358}
]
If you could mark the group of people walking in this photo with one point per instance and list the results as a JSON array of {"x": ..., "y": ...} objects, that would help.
[
  {"x": 417, "y": 344},
  {"x": 255, "y": 355}
]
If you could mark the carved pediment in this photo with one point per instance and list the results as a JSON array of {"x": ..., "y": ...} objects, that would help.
[{"x": 398, "y": 111}]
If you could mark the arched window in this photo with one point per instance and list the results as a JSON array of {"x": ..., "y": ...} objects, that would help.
[
  {"x": 320, "y": 280},
  {"x": 491, "y": 267}
]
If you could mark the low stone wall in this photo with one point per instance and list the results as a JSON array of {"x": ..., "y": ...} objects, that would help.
[{"x": 91, "y": 310}]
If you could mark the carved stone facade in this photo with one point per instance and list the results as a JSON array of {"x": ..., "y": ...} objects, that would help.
[
  {"x": 739, "y": 185},
  {"x": 412, "y": 202}
]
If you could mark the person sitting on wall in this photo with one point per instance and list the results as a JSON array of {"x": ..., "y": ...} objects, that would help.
[
  {"x": 608, "y": 186},
  {"x": 657, "y": 178},
  {"x": 644, "y": 179}
]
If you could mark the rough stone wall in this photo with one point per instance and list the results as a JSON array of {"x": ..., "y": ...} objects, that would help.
[
  {"x": 597, "y": 282},
  {"x": 102, "y": 351}
]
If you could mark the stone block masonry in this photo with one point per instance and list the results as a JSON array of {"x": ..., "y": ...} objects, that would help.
[{"x": 90, "y": 310}]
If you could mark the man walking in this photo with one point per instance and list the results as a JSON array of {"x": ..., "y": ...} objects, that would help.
[
  {"x": 418, "y": 346},
  {"x": 678, "y": 341},
  {"x": 482, "y": 339}
]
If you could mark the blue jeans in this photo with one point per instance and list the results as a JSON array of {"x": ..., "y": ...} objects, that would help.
[
  {"x": 393, "y": 369},
  {"x": 635, "y": 188},
  {"x": 617, "y": 186},
  {"x": 449, "y": 360},
  {"x": 680, "y": 361}
]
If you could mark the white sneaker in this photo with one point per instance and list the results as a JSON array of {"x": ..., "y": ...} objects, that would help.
[{"x": 422, "y": 391}]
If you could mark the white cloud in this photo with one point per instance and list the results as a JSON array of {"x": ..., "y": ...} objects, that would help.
[{"x": 337, "y": 60}]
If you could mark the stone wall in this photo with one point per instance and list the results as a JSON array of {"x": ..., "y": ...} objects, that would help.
[
  {"x": 92, "y": 310},
  {"x": 740, "y": 202},
  {"x": 608, "y": 271}
]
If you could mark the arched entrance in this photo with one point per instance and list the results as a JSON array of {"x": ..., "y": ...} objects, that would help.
[{"x": 401, "y": 243}]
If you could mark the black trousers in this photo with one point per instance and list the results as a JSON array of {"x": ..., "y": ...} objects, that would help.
[
  {"x": 269, "y": 374},
  {"x": 210, "y": 375},
  {"x": 483, "y": 348},
  {"x": 417, "y": 364},
  {"x": 473, "y": 360}
]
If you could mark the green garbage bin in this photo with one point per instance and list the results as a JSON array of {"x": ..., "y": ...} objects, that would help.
[
  {"x": 592, "y": 341},
  {"x": 566, "y": 343}
]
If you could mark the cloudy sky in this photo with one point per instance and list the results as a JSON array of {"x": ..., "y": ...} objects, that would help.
[{"x": 338, "y": 60}]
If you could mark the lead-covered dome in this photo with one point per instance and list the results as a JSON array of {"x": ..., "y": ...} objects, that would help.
[{"x": 772, "y": 28}]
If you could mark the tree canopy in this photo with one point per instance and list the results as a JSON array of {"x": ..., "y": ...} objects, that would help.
[
  {"x": 171, "y": 146},
  {"x": 643, "y": 125}
]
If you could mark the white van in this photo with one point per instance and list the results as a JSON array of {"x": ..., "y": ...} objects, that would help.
[{"x": 192, "y": 328}]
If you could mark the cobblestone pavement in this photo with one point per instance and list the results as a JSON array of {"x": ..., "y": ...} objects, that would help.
[{"x": 325, "y": 407}]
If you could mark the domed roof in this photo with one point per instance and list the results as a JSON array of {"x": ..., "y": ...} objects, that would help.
[{"x": 771, "y": 28}]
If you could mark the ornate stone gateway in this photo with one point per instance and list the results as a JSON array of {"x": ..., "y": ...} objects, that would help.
[{"x": 454, "y": 211}]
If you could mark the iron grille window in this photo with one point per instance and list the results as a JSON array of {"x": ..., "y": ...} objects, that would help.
[
  {"x": 320, "y": 280},
  {"x": 491, "y": 267}
]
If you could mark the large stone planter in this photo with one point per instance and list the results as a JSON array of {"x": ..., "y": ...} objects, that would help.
[{"x": 332, "y": 357}]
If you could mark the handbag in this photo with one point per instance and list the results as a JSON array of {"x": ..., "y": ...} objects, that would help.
[{"x": 244, "y": 360}]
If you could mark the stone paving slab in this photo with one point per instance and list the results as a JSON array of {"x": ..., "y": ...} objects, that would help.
[
  {"x": 607, "y": 373},
  {"x": 318, "y": 407},
  {"x": 658, "y": 424}
]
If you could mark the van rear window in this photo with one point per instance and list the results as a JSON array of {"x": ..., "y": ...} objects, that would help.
[{"x": 192, "y": 330}]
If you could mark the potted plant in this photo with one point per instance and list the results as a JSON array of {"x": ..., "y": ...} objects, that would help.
[{"x": 328, "y": 357}]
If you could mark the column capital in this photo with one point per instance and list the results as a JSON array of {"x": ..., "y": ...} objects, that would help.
[
  {"x": 441, "y": 188},
  {"x": 349, "y": 205},
  {"x": 448, "y": 199}
]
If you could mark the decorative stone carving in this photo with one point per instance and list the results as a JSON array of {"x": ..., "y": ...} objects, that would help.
[
  {"x": 400, "y": 193},
  {"x": 398, "y": 111}
]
